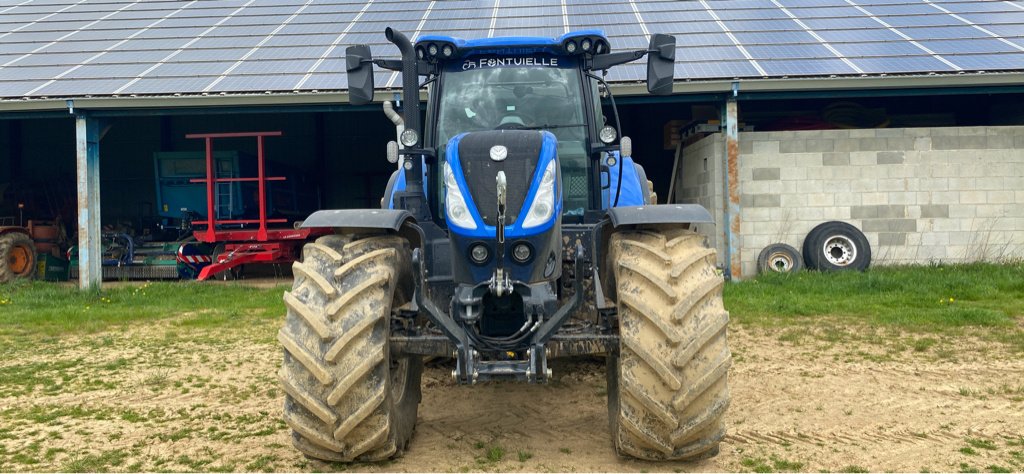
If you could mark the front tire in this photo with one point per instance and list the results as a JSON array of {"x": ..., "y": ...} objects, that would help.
[
  {"x": 346, "y": 398},
  {"x": 667, "y": 387}
]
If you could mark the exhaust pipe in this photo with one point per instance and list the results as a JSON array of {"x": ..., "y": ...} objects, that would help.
[{"x": 411, "y": 97}]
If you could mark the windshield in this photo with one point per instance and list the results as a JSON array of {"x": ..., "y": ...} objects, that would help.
[
  {"x": 521, "y": 92},
  {"x": 536, "y": 92}
]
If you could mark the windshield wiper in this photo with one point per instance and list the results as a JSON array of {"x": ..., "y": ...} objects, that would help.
[{"x": 551, "y": 127}]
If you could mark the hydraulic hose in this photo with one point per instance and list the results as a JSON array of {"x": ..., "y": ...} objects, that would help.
[{"x": 389, "y": 111}]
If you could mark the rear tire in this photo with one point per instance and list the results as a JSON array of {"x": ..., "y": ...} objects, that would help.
[
  {"x": 346, "y": 398},
  {"x": 667, "y": 387},
  {"x": 17, "y": 256}
]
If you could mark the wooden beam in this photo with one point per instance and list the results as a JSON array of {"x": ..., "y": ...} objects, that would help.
[
  {"x": 90, "y": 260},
  {"x": 731, "y": 175}
]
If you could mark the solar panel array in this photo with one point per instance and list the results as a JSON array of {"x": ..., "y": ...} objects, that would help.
[{"x": 74, "y": 48}]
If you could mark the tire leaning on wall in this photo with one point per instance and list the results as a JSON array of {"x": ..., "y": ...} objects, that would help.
[
  {"x": 836, "y": 246},
  {"x": 779, "y": 258}
]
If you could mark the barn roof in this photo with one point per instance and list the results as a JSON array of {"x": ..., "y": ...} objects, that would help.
[{"x": 106, "y": 48}]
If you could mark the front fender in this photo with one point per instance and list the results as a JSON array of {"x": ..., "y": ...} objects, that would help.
[
  {"x": 392, "y": 219},
  {"x": 660, "y": 214}
]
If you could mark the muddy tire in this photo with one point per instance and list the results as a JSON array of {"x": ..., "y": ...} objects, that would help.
[
  {"x": 667, "y": 386},
  {"x": 346, "y": 398},
  {"x": 17, "y": 256}
]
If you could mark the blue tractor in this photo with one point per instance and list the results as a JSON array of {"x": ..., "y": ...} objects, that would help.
[{"x": 517, "y": 228}]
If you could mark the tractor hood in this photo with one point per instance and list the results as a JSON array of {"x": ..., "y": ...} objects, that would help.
[
  {"x": 475, "y": 159},
  {"x": 533, "y": 203}
]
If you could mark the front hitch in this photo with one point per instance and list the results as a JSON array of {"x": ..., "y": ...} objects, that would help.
[{"x": 469, "y": 367}]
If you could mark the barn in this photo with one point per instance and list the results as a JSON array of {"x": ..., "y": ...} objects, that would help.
[{"x": 903, "y": 118}]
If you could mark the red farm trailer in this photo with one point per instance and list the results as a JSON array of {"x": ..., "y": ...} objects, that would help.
[{"x": 245, "y": 241}]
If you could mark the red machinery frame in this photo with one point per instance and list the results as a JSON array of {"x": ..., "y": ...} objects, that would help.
[{"x": 242, "y": 246}]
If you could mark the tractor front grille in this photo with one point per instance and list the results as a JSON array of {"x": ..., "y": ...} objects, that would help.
[{"x": 481, "y": 171}]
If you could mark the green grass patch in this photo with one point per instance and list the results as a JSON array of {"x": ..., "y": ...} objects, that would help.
[
  {"x": 981, "y": 443},
  {"x": 96, "y": 462},
  {"x": 921, "y": 298},
  {"x": 756, "y": 464},
  {"x": 495, "y": 453},
  {"x": 51, "y": 309}
]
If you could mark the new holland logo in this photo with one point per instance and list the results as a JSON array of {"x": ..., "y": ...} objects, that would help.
[{"x": 499, "y": 153}]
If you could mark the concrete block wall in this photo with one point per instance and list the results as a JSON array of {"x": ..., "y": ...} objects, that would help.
[
  {"x": 920, "y": 195},
  {"x": 699, "y": 181}
]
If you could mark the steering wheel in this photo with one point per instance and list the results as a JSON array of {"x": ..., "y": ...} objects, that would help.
[{"x": 515, "y": 125}]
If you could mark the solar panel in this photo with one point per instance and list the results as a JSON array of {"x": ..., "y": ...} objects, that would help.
[
  {"x": 70, "y": 87},
  {"x": 245, "y": 46}
]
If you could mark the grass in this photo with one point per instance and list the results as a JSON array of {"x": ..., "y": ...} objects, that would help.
[
  {"x": 47, "y": 309},
  {"x": 981, "y": 443},
  {"x": 37, "y": 316},
  {"x": 930, "y": 299}
]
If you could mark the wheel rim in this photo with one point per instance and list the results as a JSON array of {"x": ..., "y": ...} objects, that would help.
[
  {"x": 839, "y": 250},
  {"x": 19, "y": 259},
  {"x": 780, "y": 262}
]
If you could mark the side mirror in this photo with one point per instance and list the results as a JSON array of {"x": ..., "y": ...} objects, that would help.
[
  {"x": 360, "y": 74},
  {"x": 661, "y": 63}
]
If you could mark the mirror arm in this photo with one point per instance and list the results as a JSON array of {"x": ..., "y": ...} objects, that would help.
[
  {"x": 390, "y": 64},
  {"x": 597, "y": 148},
  {"x": 605, "y": 61}
]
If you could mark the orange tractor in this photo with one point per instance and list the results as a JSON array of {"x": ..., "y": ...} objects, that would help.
[{"x": 17, "y": 253}]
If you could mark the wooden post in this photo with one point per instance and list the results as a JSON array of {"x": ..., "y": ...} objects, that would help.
[
  {"x": 731, "y": 175},
  {"x": 90, "y": 260}
]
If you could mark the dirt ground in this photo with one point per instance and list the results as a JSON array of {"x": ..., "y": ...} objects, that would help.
[{"x": 169, "y": 398}]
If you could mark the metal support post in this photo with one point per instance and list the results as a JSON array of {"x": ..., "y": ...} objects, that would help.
[
  {"x": 87, "y": 143},
  {"x": 261, "y": 234},
  {"x": 211, "y": 184},
  {"x": 731, "y": 176}
]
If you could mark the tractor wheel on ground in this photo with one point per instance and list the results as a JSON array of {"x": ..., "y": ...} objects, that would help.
[
  {"x": 346, "y": 398},
  {"x": 17, "y": 256},
  {"x": 779, "y": 258},
  {"x": 836, "y": 245},
  {"x": 667, "y": 386}
]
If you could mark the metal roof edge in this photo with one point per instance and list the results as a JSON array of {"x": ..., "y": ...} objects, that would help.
[
  {"x": 747, "y": 87},
  {"x": 819, "y": 84}
]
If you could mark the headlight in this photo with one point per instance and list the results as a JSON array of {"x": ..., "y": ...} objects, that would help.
[
  {"x": 447, "y": 50},
  {"x": 543, "y": 205},
  {"x": 522, "y": 253},
  {"x": 607, "y": 134},
  {"x": 570, "y": 47},
  {"x": 479, "y": 254},
  {"x": 585, "y": 44},
  {"x": 455, "y": 206},
  {"x": 409, "y": 137}
]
